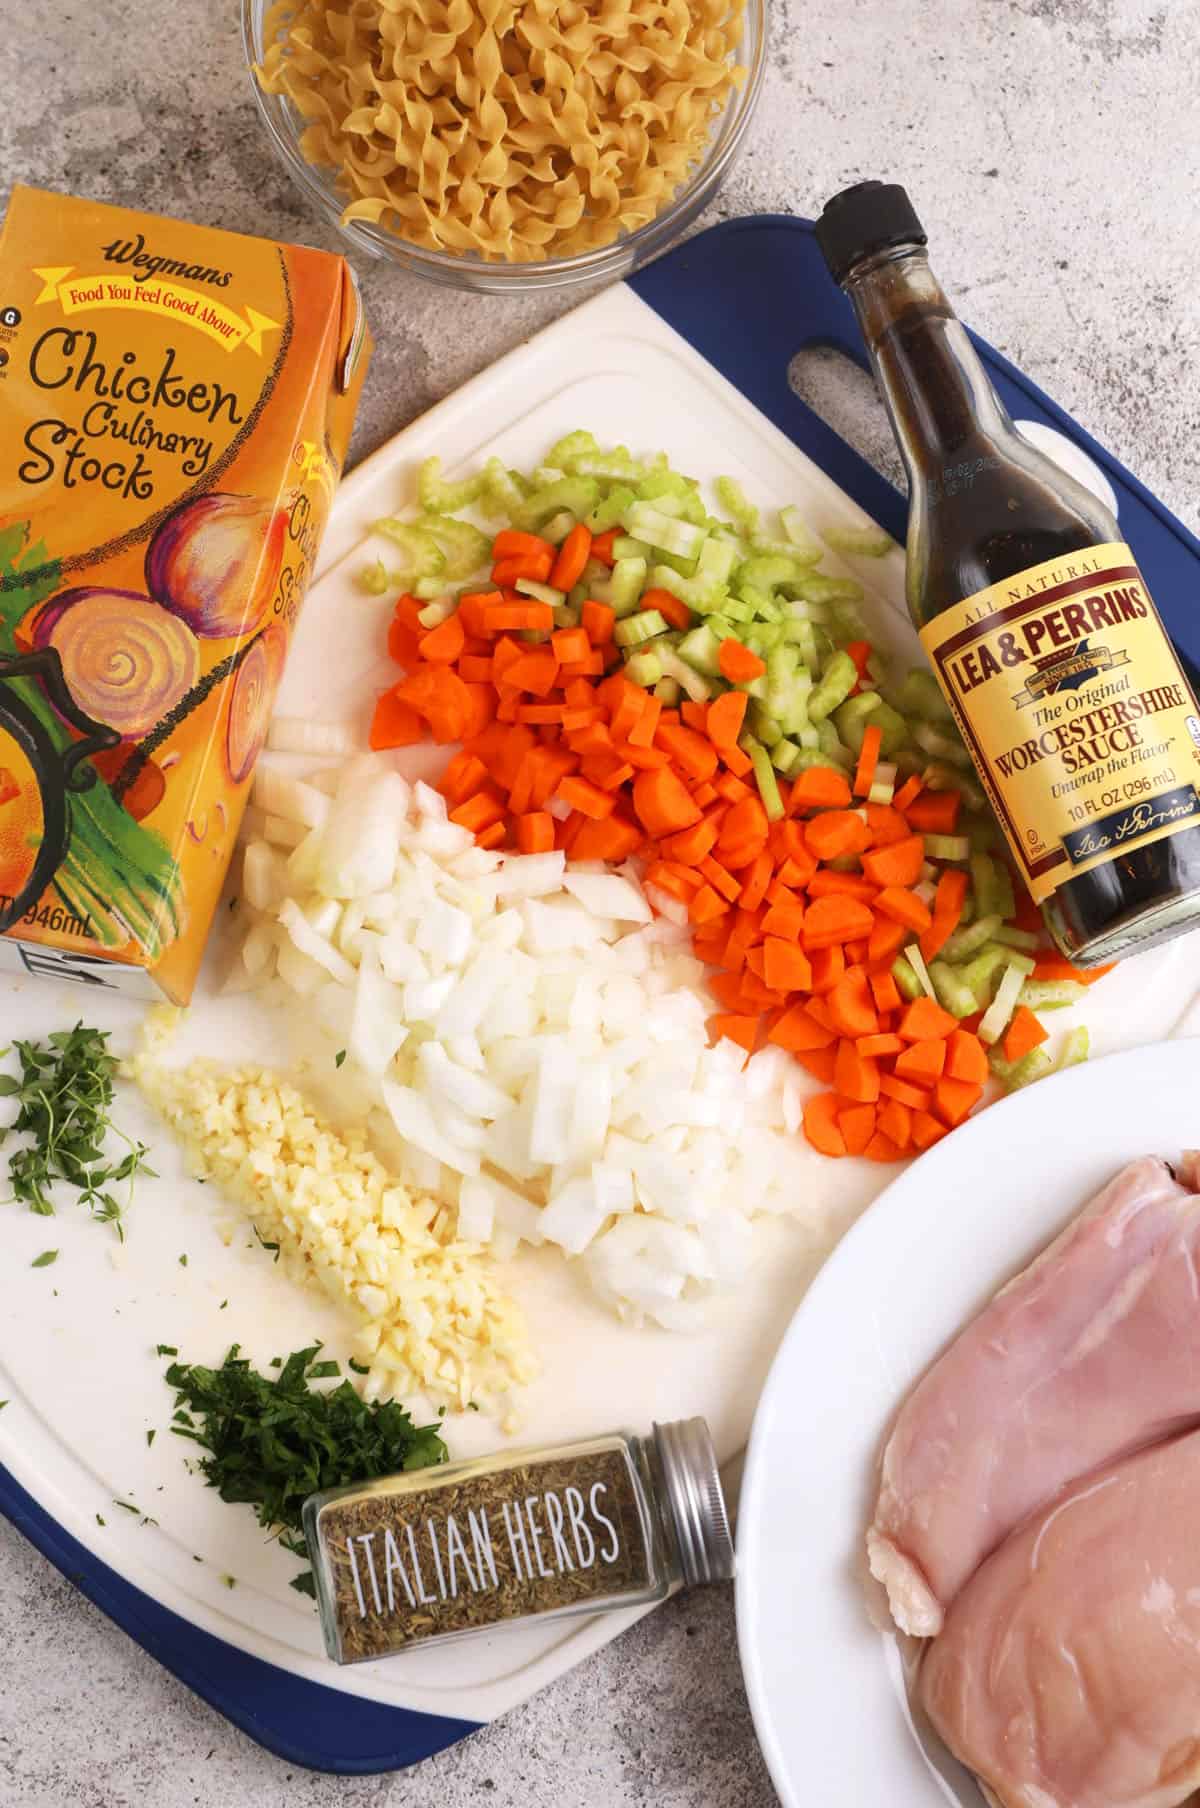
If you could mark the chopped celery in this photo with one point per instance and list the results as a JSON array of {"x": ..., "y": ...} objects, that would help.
[
  {"x": 425, "y": 557},
  {"x": 837, "y": 681},
  {"x": 701, "y": 593},
  {"x": 764, "y": 571},
  {"x": 612, "y": 510},
  {"x": 437, "y": 497},
  {"x": 764, "y": 777},
  {"x": 699, "y": 689},
  {"x": 504, "y": 491},
  {"x": 716, "y": 560},
  {"x": 376, "y": 579},
  {"x": 868, "y": 541},
  {"x": 947, "y": 847},
  {"x": 733, "y": 500},
  {"x": 626, "y": 585},
  {"x": 982, "y": 969},
  {"x": 996, "y": 1017},
  {"x": 643, "y": 668},
  {"x": 738, "y": 611},
  {"x": 1017, "y": 938},
  {"x": 892, "y": 727},
  {"x": 558, "y": 527},
  {"x": 814, "y": 756},
  {"x": 816, "y": 588},
  {"x": 831, "y": 747},
  {"x": 571, "y": 446},
  {"x": 906, "y": 980},
  {"x": 786, "y": 757},
  {"x": 435, "y": 613},
  {"x": 1051, "y": 994},
  {"x": 852, "y": 716},
  {"x": 785, "y": 549},
  {"x": 965, "y": 942},
  {"x": 1013, "y": 1075},
  {"x": 953, "y": 994},
  {"x": 543, "y": 475},
  {"x": 610, "y": 467},
  {"x": 626, "y": 547},
  {"x": 921, "y": 696},
  {"x": 916, "y": 961},
  {"x": 667, "y": 691},
  {"x": 541, "y": 593},
  {"x": 578, "y": 494},
  {"x": 567, "y": 615},
  {"x": 1076, "y": 1048},
  {"x": 993, "y": 888},
  {"x": 634, "y": 629},
  {"x": 664, "y": 482},
  {"x": 428, "y": 588},
  {"x": 883, "y": 785},
  {"x": 939, "y": 745},
  {"x": 764, "y": 726},
  {"x": 807, "y": 547},
  {"x": 646, "y": 522},
  {"x": 701, "y": 648}
]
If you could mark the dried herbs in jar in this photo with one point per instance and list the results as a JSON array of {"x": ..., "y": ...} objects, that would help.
[{"x": 438, "y": 1553}]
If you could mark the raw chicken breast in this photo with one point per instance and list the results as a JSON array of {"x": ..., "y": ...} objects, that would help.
[
  {"x": 1090, "y": 1353},
  {"x": 1068, "y": 1673}
]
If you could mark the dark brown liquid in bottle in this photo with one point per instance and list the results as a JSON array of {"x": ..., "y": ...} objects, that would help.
[{"x": 988, "y": 506}]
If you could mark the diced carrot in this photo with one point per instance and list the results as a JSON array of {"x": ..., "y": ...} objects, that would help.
[
  {"x": 830, "y": 920},
  {"x": 473, "y": 608},
  {"x": 785, "y": 920},
  {"x": 935, "y": 812},
  {"x": 495, "y": 835},
  {"x": 573, "y": 555},
  {"x": 535, "y": 832},
  {"x": 511, "y": 543},
  {"x": 926, "y": 1130},
  {"x": 672, "y": 608},
  {"x": 857, "y": 1125},
  {"x": 881, "y": 1148},
  {"x": 526, "y": 617},
  {"x": 868, "y": 759},
  {"x": 884, "y": 991},
  {"x": 924, "y": 1020},
  {"x": 786, "y": 967},
  {"x": 851, "y": 1006},
  {"x": 735, "y": 761},
  {"x": 907, "y": 792},
  {"x": 886, "y": 825},
  {"x": 570, "y": 644},
  {"x": 478, "y": 812},
  {"x": 691, "y": 845},
  {"x": 916, "y": 1097},
  {"x": 741, "y": 938},
  {"x": 966, "y": 1058},
  {"x": 705, "y": 794},
  {"x": 588, "y": 799},
  {"x": 739, "y": 665},
  {"x": 880, "y": 1046},
  {"x": 755, "y": 879},
  {"x": 829, "y": 884},
  {"x": 474, "y": 668},
  {"x": 1052, "y": 965},
  {"x": 856, "y": 1076},
  {"x": 661, "y": 875},
  {"x": 798, "y": 1031},
  {"x": 614, "y": 839},
  {"x": 464, "y": 775},
  {"x": 535, "y": 671},
  {"x": 903, "y": 907},
  {"x": 443, "y": 644},
  {"x": 818, "y": 1009},
  {"x": 860, "y": 652},
  {"x": 836, "y": 833},
  {"x": 895, "y": 1122},
  {"x": 646, "y": 727},
  {"x": 535, "y": 566},
  {"x": 821, "y": 1125},
  {"x": 645, "y": 759},
  {"x": 591, "y": 667},
  {"x": 705, "y": 904},
  {"x": 538, "y": 715},
  {"x": 602, "y": 546},
  {"x": 896, "y": 863},
  {"x": 725, "y": 716},
  {"x": 598, "y": 621},
  {"x": 828, "y": 966},
  {"x": 820, "y": 1063},
  {"x": 742, "y": 1030},
  {"x": 394, "y": 724},
  {"x": 691, "y": 752},
  {"x": 403, "y": 643},
  {"x": 819, "y": 788},
  {"x": 921, "y": 1062},
  {"x": 953, "y": 1099},
  {"x": 662, "y": 803},
  {"x": 743, "y": 833},
  {"x": 886, "y": 940},
  {"x": 719, "y": 879},
  {"x": 1025, "y": 1033}
]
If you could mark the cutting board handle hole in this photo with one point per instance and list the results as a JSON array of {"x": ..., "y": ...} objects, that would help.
[{"x": 843, "y": 395}]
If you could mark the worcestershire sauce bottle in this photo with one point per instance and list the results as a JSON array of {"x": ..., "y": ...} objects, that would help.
[{"x": 1033, "y": 614}]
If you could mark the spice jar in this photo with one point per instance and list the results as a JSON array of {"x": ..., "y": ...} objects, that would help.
[{"x": 613, "y": 1521}]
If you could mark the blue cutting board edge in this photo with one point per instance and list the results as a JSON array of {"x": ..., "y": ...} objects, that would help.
[{"x": 747, "y": 295}]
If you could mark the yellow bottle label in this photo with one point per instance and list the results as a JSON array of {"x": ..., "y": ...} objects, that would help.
[{"x": 1075, "y": 708}]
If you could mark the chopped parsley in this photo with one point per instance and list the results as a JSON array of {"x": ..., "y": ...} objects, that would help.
[
  {"x": 64, "y": 1094},
  {"x": 45, "y": 1259},
  {"x": 150, "y": 1437},
  {"x": 165, "y": 1349},
  {"x": 263, "y": 1241},
  {"x": 125, "y": 1507},
  {"x": 272, "y": 1440},
  {"x": 100, "y": 1519},
  {"x": 183, "y": 1261},
  {"x": 339, "y": 1057}
]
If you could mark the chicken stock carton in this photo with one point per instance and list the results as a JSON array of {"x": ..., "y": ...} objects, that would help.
[{"x": 175, "y": 408}]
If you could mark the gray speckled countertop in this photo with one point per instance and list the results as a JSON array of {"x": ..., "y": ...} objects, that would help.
[{"x": 1053, "y": 149}]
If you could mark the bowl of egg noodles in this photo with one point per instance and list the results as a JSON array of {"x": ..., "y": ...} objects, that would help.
[{"x": 507, "y": 145}]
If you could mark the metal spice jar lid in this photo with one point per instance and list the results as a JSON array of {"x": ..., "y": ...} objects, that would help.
[{"x": 695, "y": 1501}]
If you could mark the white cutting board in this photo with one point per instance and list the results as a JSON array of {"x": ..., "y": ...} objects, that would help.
[{"x": 77, "y": 1340}]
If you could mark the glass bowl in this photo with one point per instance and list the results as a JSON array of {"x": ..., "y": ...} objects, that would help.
[{"x": 462, "y": 270}]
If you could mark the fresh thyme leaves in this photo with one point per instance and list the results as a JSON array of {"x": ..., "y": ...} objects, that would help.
[
  {"x": 44, "y": 1260},
  {"x": 100, "y": 1519},
  {"x": 264, "y": 1242},
  {"x": 64, "y": 1095},
  {"x": 150, "y": 1437},
  {"x": 274, "y": 1439},
  {"x": 339, "y": 1057}
]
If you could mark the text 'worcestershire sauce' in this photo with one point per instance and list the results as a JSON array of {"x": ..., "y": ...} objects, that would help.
[{"x": 1033, "y": 613}]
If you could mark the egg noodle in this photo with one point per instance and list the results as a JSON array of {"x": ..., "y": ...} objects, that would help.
[{"x": 514, "y": 129}]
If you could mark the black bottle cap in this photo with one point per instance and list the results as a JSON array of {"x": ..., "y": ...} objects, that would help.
[{"x": 870, "y": 217}]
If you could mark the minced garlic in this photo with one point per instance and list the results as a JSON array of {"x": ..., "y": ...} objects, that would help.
[{"x": 433, "y": 1318}]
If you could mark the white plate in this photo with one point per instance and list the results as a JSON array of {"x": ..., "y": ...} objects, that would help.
[{"x": 824, "y": 1684}]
